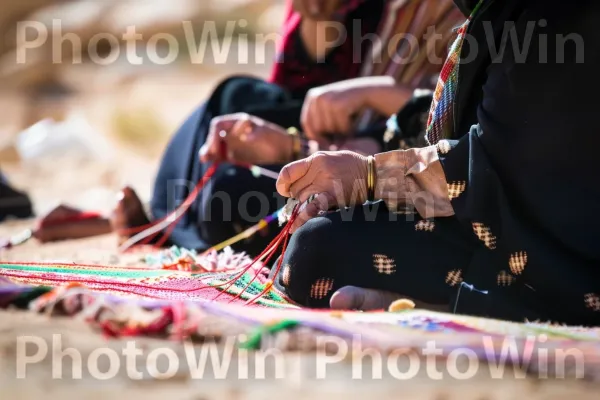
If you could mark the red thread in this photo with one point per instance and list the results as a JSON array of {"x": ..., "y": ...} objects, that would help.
[
  {"x": 176, "y": 215},
  {"x": 269, "y": 251},
  {"x": 181, "y": 210}
]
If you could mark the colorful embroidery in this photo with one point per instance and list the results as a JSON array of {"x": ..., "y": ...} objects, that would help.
[
  {"x": 454, "y": 277},
  {"x": 505, "y": 279},
  {"x": 518, "y": 262},
  {"x": 455, "y": 189},
  {"x": 592, "y": 301},
  {"x": 321, "y": 288},
  {"x": 425, "y": 226},
  {"x": 485, "y": 235},
  {"x": 440, "y": 122},
  {"x": 384, "y": 265}
]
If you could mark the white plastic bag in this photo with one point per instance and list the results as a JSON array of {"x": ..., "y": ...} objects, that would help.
[{"x": 74, "y": 136}]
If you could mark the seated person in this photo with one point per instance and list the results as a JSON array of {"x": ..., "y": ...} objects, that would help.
[
  {"x": 504, "y": 221},
  {"x": 235, "y": 200}
]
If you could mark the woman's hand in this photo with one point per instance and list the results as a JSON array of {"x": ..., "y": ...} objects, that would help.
[
  {"x": 338, "y": 179},
  {"x": 331, "y": 109},
  {"x": 247, "y": 139}
]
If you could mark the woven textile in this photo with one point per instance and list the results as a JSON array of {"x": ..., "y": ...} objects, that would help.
[
  {"x": 440, "y": 122},
  {"x": 138, "y": 282},
  {"x": 533, "y": 347}
]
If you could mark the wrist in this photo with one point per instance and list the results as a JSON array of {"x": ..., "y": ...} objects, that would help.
[
  {"x": 295, "y": 145},
  {"x": 371, "y": 178},
  {"x": 390, "y": 171},
  {"x": 372, "y": 95},
  {"x": 387, "y": 98}
]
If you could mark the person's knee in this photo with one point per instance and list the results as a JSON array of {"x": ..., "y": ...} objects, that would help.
[
  {"x": 305, "y": 260},
  {"x": 309, "y": 241}
]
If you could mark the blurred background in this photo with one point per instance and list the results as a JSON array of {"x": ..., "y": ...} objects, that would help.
[{"x": 92, "y": 90}]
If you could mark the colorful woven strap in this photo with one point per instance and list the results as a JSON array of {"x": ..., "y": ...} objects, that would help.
[{"x": 441, "y": 118}]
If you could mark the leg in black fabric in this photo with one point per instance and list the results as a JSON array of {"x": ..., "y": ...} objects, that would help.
[
  {"x": 235, "y": 201},
  {"x": 396, "y": 253}
]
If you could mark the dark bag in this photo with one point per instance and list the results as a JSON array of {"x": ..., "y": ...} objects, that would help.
[{"x": 13, "y": 204}]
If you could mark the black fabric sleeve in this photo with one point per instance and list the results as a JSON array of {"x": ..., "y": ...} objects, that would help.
[{"x": 529, "y": 167}]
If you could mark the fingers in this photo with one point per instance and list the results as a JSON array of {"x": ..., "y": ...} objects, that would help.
[
  {"x": 318, "y": 119},
  {"x": 241, "y": 130},
  {"x": 211, "y": 150},
  {"x": 236, "y": 140},
  {"x": 319, "y": 206},
  {"x": 325, "y": 114},
  {"x": 306, "y": 120},
  {"x": 343, "y": 121},
  {"x": 290, "y": 174},
  {"x": 323, "y": 117}
]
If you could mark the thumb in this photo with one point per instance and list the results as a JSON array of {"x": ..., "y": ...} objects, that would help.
[
  {"x": 290, "y": 174},
  {"x": 205, "y": 154}
]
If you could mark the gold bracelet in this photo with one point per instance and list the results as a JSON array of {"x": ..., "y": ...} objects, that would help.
[
  {"x": 371, "y": 178},
  {"x": 296, "y": 143}
]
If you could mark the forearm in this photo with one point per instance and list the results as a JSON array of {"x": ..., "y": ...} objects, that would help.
[
  {"x": 386, "y": 97},
  {"x": 413, "y": 179}
]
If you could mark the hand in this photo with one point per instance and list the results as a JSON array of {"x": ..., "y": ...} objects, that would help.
[
  {"x": 339, "y": 179},
  {"x": 330, "y": 109},
  {"x": 247, "y": 139}
]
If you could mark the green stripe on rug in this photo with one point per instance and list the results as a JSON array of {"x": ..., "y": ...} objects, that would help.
[{"x": 116, "y": 273}]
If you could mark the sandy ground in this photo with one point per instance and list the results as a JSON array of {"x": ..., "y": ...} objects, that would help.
[
  {"x": 133, "y": 120},
  {"x": 65, "y": 347}
]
